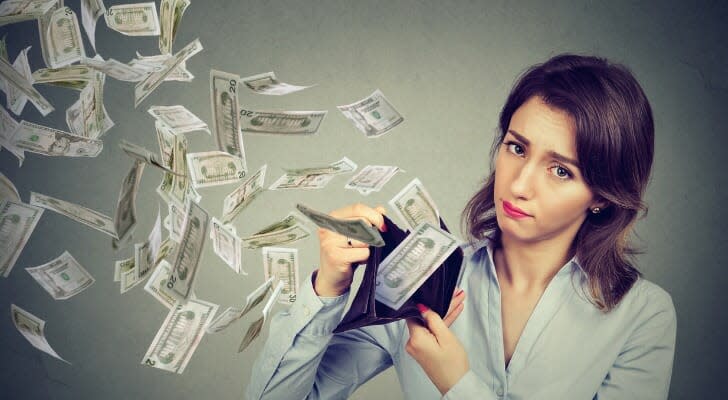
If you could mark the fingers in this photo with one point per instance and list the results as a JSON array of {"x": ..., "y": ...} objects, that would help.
[
  {"x": 434, "y": 323},
  {"x": 368, "y": 214},
  {"x": 456, "y": 307}
]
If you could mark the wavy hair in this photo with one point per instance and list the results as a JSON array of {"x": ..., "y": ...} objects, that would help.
[{"x": 615, "y": 146}]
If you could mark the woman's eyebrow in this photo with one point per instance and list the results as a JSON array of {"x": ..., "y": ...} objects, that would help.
[{"x": 551, "y": 153}]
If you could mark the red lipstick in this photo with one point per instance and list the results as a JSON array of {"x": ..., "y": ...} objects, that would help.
[{"x": 513, "y": 211}]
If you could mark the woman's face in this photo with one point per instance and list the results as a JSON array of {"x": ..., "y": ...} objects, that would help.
[{"x": 532, "y": 173}]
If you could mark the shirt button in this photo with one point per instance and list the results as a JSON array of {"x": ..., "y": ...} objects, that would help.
[{"x": 306, "y": 311}]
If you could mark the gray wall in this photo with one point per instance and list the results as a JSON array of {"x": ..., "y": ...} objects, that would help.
[{"x": 447, "y": 67}]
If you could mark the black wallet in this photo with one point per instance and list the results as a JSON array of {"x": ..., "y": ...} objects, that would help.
[{"x": 435, "y": 293}]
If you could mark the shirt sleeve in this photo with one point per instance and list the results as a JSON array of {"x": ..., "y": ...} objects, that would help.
[
  {"x": 470, "y": 387},
  {"x": 644, "y": 366},
  {"x": 302, "y": 358}
]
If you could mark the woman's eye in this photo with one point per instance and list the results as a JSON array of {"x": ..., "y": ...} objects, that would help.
[
  {"x": 514, "y": 148},
  {"x": 562, "y": 172}
]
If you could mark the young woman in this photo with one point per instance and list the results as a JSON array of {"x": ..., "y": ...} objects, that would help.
[{"x": 555, "y": 309}]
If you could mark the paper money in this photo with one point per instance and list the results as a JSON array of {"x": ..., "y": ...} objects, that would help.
[
  {"x": 343, "y": 166},
  {"x": 8, "y": 125},
  {"x": 12, "y": 11},
  {"x": 53, "y": 142},
  {"x": 233, "y": 314},
  {"x": 314, "y": 177},
  {"x": 62, "y": 277},
  {"x": 352, "y": 228},
  {"x": 213, "y": 168},
  {"x": 17, "y": 222},
  {"x": 189, "y": 251},
  {"x": 374, "y": 115},
  {"x": 371, "y": 178},
  {"x": 16, "y": 99},
  {"x": 180, "y": 335},
  {"x": 243, "y": 195},
  {"x": 8, "y": 191},
  {"x": 178, "y": 119},
  {"x": 149, "y": 64},
  {"x": 11, "y": 78},
  {"x": 227, "y": 245},
  {"x": 44, "y": 22},
  {"x": 175, "y": 187},
  {"x": 147, "y": 256},
  {"x": 33, "y": 330},
  {"x": 75, "y": 212},
  {"x": 72, "y": 76},
  {"x": 409, "y": 265},
  {"x": 91, "y": 10},
  {"x": 267, "y": 83},
  {"x": 289, "y": 230},
  {"x": 170, "y": 14},
  {"x": 87, "y": 117},
  {"x": 63, "y": 38},
  {"x": 115, "y": 69},
  {"x": 139, "y": 19},
  {"x": 125, "y": 215},
  {"x": 151, "y": 82},
  {"x": 225, "y": 116},
  {"x": 157, "y": 281},
  {"x": 141, "y": 154},
  {"x": 281, "y": 122},
  {"x": 3, "y": 48},
  {"x": 414, "y": 205},
  {"x": 127, "y": 274},
  {"x": 282, "y": 263},
  {"x": 257, "y": 326},
  {"x": 175, "y": 222}
]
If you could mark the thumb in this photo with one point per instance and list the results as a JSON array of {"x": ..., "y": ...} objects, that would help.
[
  {"x": 433, "y": 321},
  {"x": 380, "y": 209}
]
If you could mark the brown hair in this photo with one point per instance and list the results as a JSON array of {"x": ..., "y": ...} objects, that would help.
[{"x": 615, "y": 146}]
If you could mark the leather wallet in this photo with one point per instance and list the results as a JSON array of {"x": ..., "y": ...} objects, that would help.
[{"x": 435, "y": 293}]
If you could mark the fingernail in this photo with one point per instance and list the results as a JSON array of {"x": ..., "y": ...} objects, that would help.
[
  {"x": 459, "y": 292},
  {"x": 422, "y": 308},
  {"x": 383, "y": 228}
]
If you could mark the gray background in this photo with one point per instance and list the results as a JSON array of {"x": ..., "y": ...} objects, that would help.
[{"x": 447, "y": 67}]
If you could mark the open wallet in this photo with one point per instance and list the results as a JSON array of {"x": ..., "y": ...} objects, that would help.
[{"x": 436, "y": 293}]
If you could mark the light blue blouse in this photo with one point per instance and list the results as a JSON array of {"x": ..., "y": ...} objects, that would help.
[{"x": 567, "y": 350}]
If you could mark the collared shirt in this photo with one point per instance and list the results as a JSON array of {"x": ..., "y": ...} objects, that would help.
[{"x": 567, "y": 350}]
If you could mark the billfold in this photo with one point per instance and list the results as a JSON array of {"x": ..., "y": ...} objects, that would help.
[{"x": 436, "y": 293}]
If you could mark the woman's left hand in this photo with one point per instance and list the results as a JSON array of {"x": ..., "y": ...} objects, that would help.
[{"x": 437, "y": 350}]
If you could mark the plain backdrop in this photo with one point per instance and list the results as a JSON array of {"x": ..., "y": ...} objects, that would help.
[{"x": 447, "y": 66}]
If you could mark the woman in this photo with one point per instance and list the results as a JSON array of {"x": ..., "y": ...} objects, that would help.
[{"x": 555, "y": 308}]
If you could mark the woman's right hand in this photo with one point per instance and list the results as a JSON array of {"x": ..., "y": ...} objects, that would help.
[{"x": 336, "y": 270}]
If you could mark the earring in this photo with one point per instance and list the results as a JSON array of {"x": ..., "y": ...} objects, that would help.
[{"x": 596, "y": 210}]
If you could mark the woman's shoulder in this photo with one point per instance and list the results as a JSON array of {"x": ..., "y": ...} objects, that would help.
[{"x": 648, "y": 299}]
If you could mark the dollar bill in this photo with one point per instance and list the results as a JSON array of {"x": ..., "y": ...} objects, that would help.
[
  {"x": 33, "y": 330},
  {"x": 281, "y": 122},
  {"x": 170, "y": 14},
  {"x": 87, "y": 117},
  {"x": 189, "y": 251},
  {"x": 4, "y": 47},
  {"x": 243, "y": 195},
  {"x": 15, "y": 99},
  {"x": 149, "y": 64},
  {"x": 178, "y": 118},
  {"x": 414, "y": 205},
  {"x": 12, "y": 11},
  {"x": 373, "y": 116},
  {"x": 267, "y": 83},
  {"x": 414, "y": 260},
  {"x": 289, "y": 230},
  {"x": 62, "y": 38},
  {"x": 227, "y": 245},
  {"x": 175, "y": 187},
  {"x": 282, "y": 263},
  {"x": 127, "y": 274},
  {"x": 13, "y": 79},
  {"x": 342, "y": 166},
  {"x": 53, "y": 142},
  {"x": 312, "y": 177},
  {"x": 371, "y": 178},
  {"x": 147, "y": 255},
  {"x": 233, "y": 314},
  {"x": 17, "y": 222},
  {"x": 213, "y": 168},
  {"x": 138, "y": 19},
  {"x": 8, "y": 191},
  {"x": 141, "y": 154},
  {"x": 125, "y": 218},
  {"x": 91, "y": 10},
  {"x": 225, "y": 116},
  {"x": 153, "y": 80},
  {"x": 179, "y": 336},
  {"x": 352, "y": 228},
  {"x": 174, "y": 222},
  {"x": 8, "y": 125},
  {"x": 75, "y": 212},
  {"x": 74, "y": 77},
  {"x": 43, "y": 26},
  {"x": 157, "y": 281},
  {"x": 62, "y": 277},
  {"x": 115, "y": 69},
  {"x": 257, "y": 326}
]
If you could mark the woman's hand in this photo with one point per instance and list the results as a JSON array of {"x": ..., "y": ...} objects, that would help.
[
  {"x": 337, "y": 256},
  {"x": 435, "y": 347}
]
